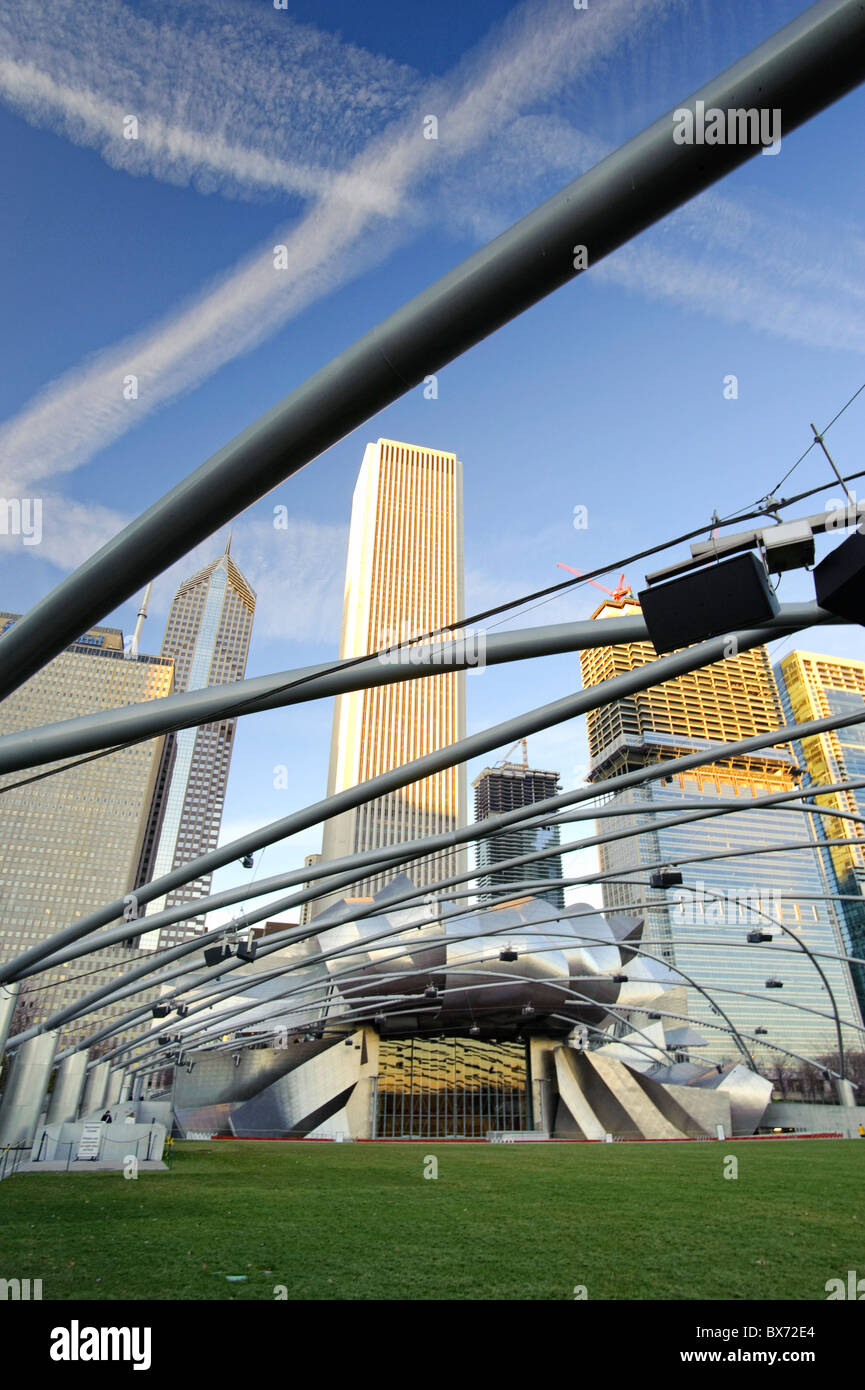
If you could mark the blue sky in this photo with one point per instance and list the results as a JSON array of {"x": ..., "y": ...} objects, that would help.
[{"x": 303, "y": 127}]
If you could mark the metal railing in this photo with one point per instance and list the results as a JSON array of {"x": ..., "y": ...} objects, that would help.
[
  {"x": 143, "y": 1149},
  {"x": 11, "y": 1159}
]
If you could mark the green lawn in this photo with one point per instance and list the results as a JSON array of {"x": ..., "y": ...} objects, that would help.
[{"x": 360, "y": 1221}]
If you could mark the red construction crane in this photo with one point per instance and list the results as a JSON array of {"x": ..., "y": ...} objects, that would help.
[{"x": 622, "y": 590}]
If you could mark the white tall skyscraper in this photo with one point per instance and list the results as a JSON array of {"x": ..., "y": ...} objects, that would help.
[
  {"x": 404, "y": 577},
  {"x": 207, "y": 636}
]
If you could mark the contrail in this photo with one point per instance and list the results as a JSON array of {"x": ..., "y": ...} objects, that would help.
[
  {"x": 98, "y": 121},
  {"x": 364, "y": 212},
  {"x": 232, "y": 98}
]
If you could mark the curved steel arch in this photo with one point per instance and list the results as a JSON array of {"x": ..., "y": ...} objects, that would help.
[
  {"x": 693, "y": 658},
  {"x": 106, "y": 994},
  {"x": 817, "y": 966},
  {"x": 404, "y": 853}
]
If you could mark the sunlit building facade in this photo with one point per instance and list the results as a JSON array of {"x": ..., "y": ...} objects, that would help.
[
  {"x": 731, "y": 886},
  {"x": 404, "y": 578},
  {"x": 70, "y": 843},
  {"x": 816, "y": 687}
]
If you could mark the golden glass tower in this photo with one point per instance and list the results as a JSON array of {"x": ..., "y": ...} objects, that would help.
[
  {"x": 72, "y": 842},
  {"x": 732, "y": 700},
  {"x": 404, "y": 577},
  {"x": 816, "y": 687},
  {"x": 703, "y": 927}
]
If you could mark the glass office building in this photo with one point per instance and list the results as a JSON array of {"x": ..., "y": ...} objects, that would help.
[
  {"x": 756, "y": 869},
  {"x": 814, "y": 687}
]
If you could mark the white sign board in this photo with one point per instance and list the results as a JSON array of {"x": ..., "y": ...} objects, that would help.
[{"x": 90, "y": 1141}]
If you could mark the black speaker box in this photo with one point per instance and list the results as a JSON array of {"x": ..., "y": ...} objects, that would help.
[
  {"x": 708, "y": 602},
  {"x": 839, "y": 580}
]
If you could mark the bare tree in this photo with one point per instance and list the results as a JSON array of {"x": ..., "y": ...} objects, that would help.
[{"x": 854, "y": 1070}]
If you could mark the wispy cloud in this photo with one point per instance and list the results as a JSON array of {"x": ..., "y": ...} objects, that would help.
[
  {"x": 173, "y": 152},
  {"x": 69, "y": 531},
  {"x": 794, "y": 273},
  {"x": 731, "y": 291},
  {"x": 494, "y": 158},
  {"x": 296, "y": 569},
  {"x": 235, "y": 99},
  {"x": 364, "y": 212},
  {"x": 298, "y": 572},
  {"x": 514, "y": 173}
]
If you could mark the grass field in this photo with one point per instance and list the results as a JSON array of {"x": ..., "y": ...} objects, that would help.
[{"x": 360, "y": 1221}]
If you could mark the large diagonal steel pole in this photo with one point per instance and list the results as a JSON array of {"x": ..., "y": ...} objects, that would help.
[
  {"x": 111, "y": 728},
  {"x": 799, "y": 71}
]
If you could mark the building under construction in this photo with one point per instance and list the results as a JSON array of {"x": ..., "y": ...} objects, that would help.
[{"x": 504, "y": 788}]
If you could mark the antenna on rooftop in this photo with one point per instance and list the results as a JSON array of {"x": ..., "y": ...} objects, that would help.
[{"x": 139, "y": 623}]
